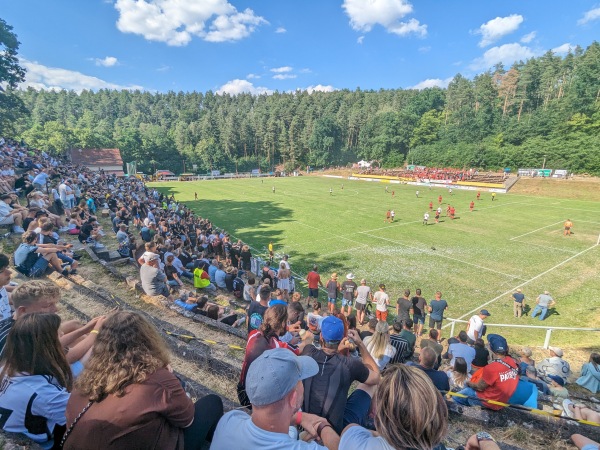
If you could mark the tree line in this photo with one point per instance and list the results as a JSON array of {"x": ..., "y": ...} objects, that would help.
[{"x": 544, "y": 108}]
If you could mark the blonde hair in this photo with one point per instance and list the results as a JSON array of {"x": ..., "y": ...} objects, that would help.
[
  {"x": 128, "y": 349},
  {"x": 379, "y": 341},
  {"x": 410, "y": 411},
  {"x": 33, "y": 291}
]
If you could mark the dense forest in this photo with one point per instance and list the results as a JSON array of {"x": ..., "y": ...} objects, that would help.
[{"x": 544, "y": 108}]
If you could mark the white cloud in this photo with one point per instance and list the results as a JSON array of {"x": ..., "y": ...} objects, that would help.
[
  {"x": 387, "y": 13},
  {"x": 109, "y": 61},
  {"x": 589, "y": 16},
  {"x": 528, "y": 37},
  {"x": 319, "y": 88},
  {"x": 283, "y": 69},
  {"x": 163, "y": 68},
  {"x": 432, "y": 82},
  {"x": 176, "y": 22},
  {"x": 252, "y": 76},
  {"x": 284, "y": 76},
  {"x": 280, "y": 30},
  {"x": 563, "y": 49},
  {"x": 305, "y": 70},
  {"x": 506, "y": 54},
  {"x": 237, "y": 86},
  {"x": 360, "y": 39},
  {"x": 43, "y": 77},
  {"x": 496, "y": 28},
  {"x": 425, "y": 49}
]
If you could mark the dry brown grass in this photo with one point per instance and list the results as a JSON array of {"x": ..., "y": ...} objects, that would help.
[{"x": 579, "y": 188}]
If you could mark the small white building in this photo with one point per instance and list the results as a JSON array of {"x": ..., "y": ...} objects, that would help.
[{"x": 363, "y": 164}]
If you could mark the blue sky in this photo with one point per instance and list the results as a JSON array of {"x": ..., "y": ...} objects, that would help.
[{"x": 267, "y": 45}]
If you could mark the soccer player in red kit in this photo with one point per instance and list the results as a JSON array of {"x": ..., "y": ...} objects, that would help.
[
  {"x": 440, "y": 199},
  {"x": 430, "y": 206},
  {"x": 472, "y": 205},
  {"x": 478, "y": 195},
  {"x": 452, "y": 212}
]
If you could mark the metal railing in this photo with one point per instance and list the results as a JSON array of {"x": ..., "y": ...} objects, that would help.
[{"x": 548, "y": 329}]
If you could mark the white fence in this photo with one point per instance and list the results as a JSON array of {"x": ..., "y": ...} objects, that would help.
[{"x": 548, "y": 329}]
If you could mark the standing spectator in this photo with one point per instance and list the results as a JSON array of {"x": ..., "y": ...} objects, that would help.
[
  {"x": 333, "y": 288},
  {"x": 326, "y": 394},
  {"x": 419, "y": 305},
  {"x": 378, "y": 345},
  {"x": 496, "y": 381},
  {"x": 475, "y": 326},
  {"x": 363, "y": 294},
  {"x": 314, "y": 281},
  {"x": 518, "y": 303},
  {"x": 275, "y": 390},
  {"x": 543, "y": 302},
  {"x": 382, "y": 300},
  {"x": 36, "y": 380},
  {"x": 153, "y": 408},
  {"x": 404, "y": 307},
  {"x": 245, "y": 259},
  {"x": 283, "y": 280},
  {"x": 348, "y": 294},
  {"x": 427, "y": 359},
  {"x": 554, "y": 365},
  {"x": 590, "y": 374},
  {"x": 436, "y": 310}
]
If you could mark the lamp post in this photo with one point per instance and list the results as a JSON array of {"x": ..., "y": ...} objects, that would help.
[{"x": 544, "y": 163}]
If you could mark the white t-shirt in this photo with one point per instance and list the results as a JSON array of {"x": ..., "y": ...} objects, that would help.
[
  {"x": 50, "y": 402},
  {"x": 62, "y": 192},
  {"x": 475, "y": 324},
  {"x": 381, "y": 298},
  {"x": 359, "y": 438},
  {"x": 237, "y": 431}
]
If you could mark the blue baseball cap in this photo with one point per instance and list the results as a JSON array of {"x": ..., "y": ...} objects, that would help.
[
  {"x": 332, "y": 329},
  {"x": 497, "y": 343}
]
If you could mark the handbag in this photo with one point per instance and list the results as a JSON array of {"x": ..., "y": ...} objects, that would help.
[{"x": 68, "y": 432}]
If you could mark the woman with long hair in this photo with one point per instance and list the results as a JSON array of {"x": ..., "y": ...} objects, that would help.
[
  {"x": 409, "y": 413},
  {"x": 590, "y": 374},
  {"x": 36, "y": 380},
  {"x": 458, "y": 375},
  {"x": 379, "y": 345},
  {"x": 127, "y": 396}
]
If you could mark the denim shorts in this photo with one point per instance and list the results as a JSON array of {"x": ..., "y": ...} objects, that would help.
[{"x": 347, "y": 302}]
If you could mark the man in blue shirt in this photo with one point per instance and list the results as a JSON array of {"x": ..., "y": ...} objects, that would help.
[
  {"x": 519, "y": 302},
  {"x": 436, "y": 310}
]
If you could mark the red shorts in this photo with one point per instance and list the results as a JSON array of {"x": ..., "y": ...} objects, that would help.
[{"x": 381, "y": 315}]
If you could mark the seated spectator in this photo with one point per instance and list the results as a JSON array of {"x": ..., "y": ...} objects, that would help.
[
  {"x": 427, "y": 359},
  {"x": 327, "y": 392},
  {"x": 409, "y": 413},
  {"x": 532, "y": 377},
  {"x": 557, "y": 389},
  {"x": 481, "y": 355},
  {"x": 399, "y": 343},
  {"x": 256, "y": 310},
  {"x": 370, "y": 329},
  {"x": 153, "y": 278},
  {"x": 266, "y": 337},
  {"x": 5, "y": 311},
  {"x": 91, "y": 233},
  {"x": 409, "y": 336},
  {"x": 580, "y": 412},
  {"x": 36, "y": 380},
  {"x": 496, "y": 381},
  {"x": 153, "y": 408},
  {"x": 462, "y": 349},
  {"x": 525, "y": 394},
  {"x": 378, "y": 345},
  {"x": 554, "y": 365},
  {"x": 590, "y": 374},
  {"x": 584, "y": 443},
  {"x": 525, "y": 359},
  {"x": 432, "y": 342},
  {"x": 249, "y": 291},
  {"x": 202, "y": 281},
  {"x": 173, "y": 279},
  {"x": 275, "y": 390},
  {"x": 10, "y": 216},
  {"x": 32, "y": 259},
  {"x": 212, "y": 270},
  {"x": 459, "y": 374},
  {"x": 220, "y": 277}
]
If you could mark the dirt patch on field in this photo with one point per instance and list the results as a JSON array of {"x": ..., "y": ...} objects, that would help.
[{"x": 578, "y": 188}]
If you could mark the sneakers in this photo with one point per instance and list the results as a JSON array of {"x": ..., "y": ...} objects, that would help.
[
  {"x": 65, "y": 272},
  {"x": 18, "y": 230},
  {"x": 567, "y": 412}
]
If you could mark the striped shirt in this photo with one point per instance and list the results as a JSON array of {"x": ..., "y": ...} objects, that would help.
[
  {"x": 5, "y": 326},
  {"x": 402, "y": 348}
]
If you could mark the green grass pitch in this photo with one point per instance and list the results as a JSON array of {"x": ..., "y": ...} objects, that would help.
[{"x": 476, "y": 260}]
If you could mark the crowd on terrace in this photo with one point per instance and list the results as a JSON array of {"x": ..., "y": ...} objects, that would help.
[{"x": 302, "y": 358}]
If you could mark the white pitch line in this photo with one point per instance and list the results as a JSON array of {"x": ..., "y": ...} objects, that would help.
[
  {"x": 541, "y": 228},
  {"x": 551, "y": 248},
  {"x": 445, "y": 257},
  {"x": 528, "y": 281},
  {"x": 344, "y": 250}
]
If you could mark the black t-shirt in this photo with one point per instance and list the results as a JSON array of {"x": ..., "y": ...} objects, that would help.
[
  {"x": 481, "y": 357},
  {"x": 170, "y": 271},
  {"x": 439, "y": 379},
  {"x": 326, "y": 393},
  {"x": 348, "y": 289},
  {"x": 364, "y": 334},
  {"x": 419, "y": 304},
  {"x": 404, "y": 306},
  {"x": 256, "y": 311}
]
